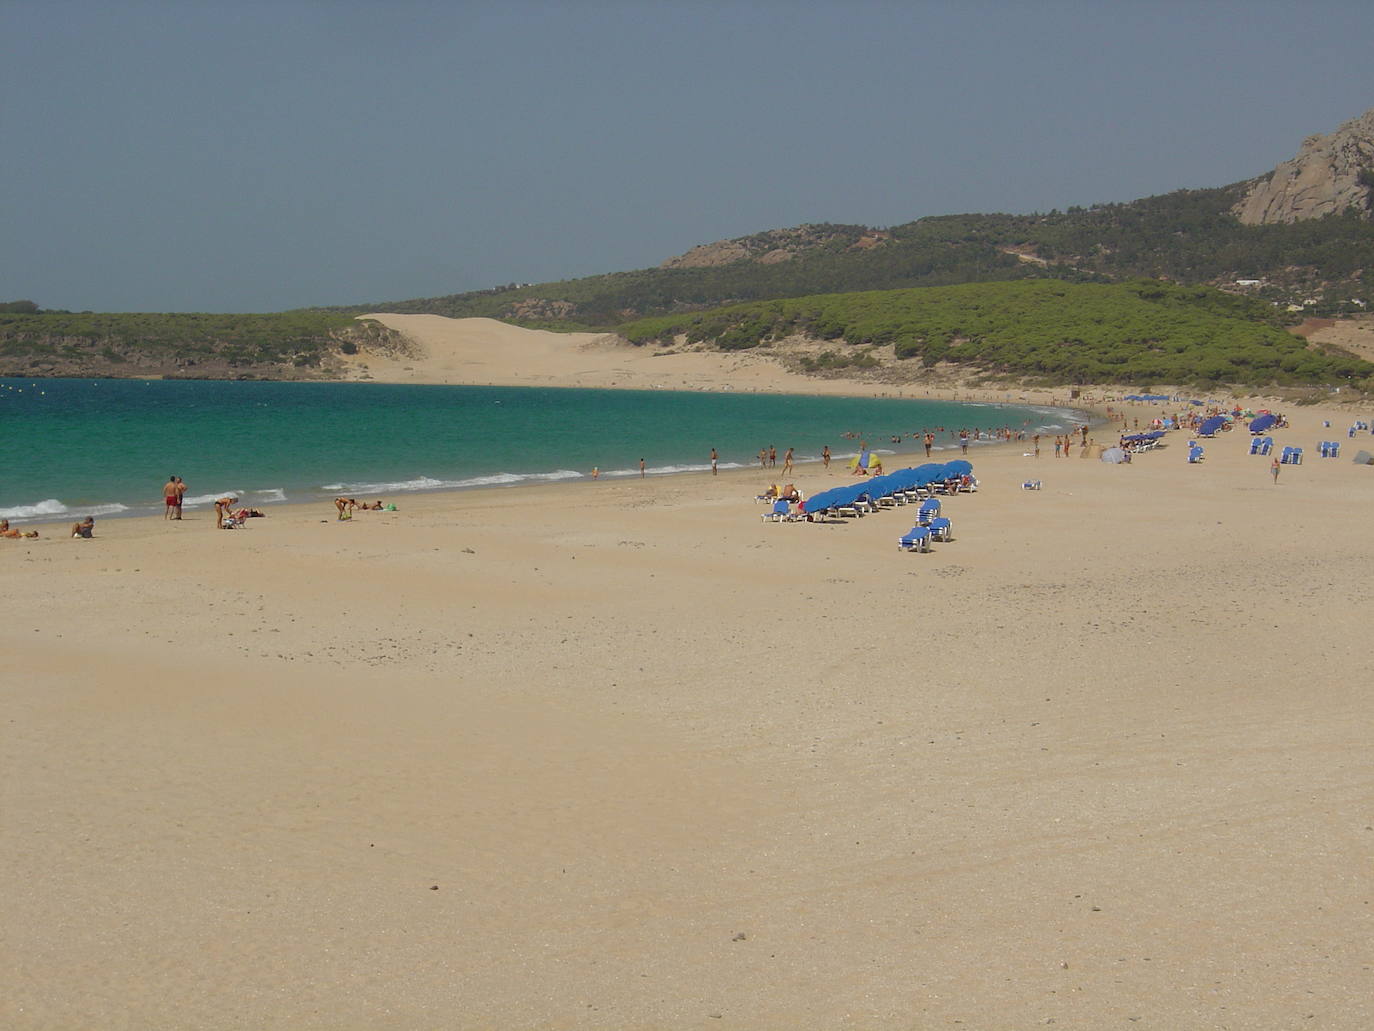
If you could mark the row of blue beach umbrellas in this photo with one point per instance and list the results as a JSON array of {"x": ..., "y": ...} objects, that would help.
[
  {"x": 883, "y": 486},
  {"x": 1141, "y": 437},
  {"x": 1163, "y": 397}
]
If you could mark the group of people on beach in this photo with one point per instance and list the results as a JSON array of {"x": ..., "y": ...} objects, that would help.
[
  {"x": 347, "y": 506},
  {"x": 768, "y": 458}
]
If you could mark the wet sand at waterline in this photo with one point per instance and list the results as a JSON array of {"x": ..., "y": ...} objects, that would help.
[{"x": 619, "y": 754}]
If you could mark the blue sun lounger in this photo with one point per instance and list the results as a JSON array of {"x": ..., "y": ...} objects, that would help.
[
  {"x": 915, "y": 539},
  {"x": 941, "y": 529},
  {"x": 781, "y": 512}
]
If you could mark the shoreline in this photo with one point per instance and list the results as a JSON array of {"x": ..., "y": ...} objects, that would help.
[
  {"x": 626, "y": 755},
  {"x": 395, "y": 482}
]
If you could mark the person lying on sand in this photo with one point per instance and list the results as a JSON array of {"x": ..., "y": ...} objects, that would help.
[
  {"x": 85, "y": 528},
  {"x": 249, "y": 513},
  {"x": 376, "y": 506},
  {"x": 5, "y": 531}
]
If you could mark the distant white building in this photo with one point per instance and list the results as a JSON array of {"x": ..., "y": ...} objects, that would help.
[{"x": 1249, "y": 282}]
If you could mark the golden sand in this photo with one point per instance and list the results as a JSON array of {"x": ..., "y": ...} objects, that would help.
[{"x": 621, "y": 755}]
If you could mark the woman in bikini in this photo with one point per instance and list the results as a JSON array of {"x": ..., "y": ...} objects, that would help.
[
  {"x": 5, "y": 531},
  {"x": 224, "y": 507}
]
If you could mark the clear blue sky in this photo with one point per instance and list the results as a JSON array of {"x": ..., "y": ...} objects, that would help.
[{"x": 243, "y": 156}]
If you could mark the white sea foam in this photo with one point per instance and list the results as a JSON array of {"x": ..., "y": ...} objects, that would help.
[
  {"x": 210, "y": 499},
  {"x": 269, "y": 494},
  {"x": 50, "y": 507},
  {"x": 422, "y": 483}
]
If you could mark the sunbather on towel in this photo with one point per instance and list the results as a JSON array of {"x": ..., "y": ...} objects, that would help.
[{"x": 5, "y": 531}]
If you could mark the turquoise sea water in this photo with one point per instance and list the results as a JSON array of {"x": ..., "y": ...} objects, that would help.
[{"x": 105, "y": 447}]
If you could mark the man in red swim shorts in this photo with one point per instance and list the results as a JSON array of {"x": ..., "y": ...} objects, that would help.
[{"x": 172, "y": 498}]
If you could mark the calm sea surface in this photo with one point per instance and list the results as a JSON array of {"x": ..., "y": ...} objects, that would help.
[{"x": 105, "y": 447}]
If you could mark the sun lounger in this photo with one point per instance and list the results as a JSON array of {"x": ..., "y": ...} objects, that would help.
[
  {"x": 915, "y": 539},
  {"x": 1195, "y": 454},
  {"x": 1031, "y": 485},
  {"x": 781, "y": 512},
  {"x": 1330, "y": 449},
  {"x": 1291, "y": 456},
  {"x": 941, "y": 529}
]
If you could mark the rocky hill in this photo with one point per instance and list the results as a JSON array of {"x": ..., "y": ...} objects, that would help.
[
  {"x": 1330, "y": 175},
  {"x": 776, "y": 245}
]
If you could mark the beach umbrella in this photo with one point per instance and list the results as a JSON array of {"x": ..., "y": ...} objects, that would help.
[
  {"x": 1210, "y": 426},
  {"x": 861, "y": 460},
  {"x": 1114, "y": 455},
  {"x": 1262, "y": 423},
  {"x": 880, "y": 486},
  {"x": 959, "y": 467}
]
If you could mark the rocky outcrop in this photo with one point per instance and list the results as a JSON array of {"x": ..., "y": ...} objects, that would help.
[
  {"x": 709, "y": 255},
  {"x": 778, "y": 245},
  {"x": 1324, "y": 179}
]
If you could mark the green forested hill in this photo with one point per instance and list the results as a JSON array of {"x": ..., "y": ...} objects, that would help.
[
  {"x": 285, "y": 345},
  {"x": 1139, "y": 332},
  {"x": 1189, "y": 236}
]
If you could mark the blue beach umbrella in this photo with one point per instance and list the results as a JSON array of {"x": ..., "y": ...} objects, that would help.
[
  {"x": 1262, "y": 423},
  {"x": 825, "y": 499},
  {"x": 1210, "y": 427},
  {"x": 959, "y": 467}
]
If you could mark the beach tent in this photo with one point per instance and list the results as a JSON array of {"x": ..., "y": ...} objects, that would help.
[
  {"x": 1114, "y": 455},
  {"x": 863, "y": 460},
  {"x": 1210, "y": 426},
  {"x": 1262, "y": 423}
]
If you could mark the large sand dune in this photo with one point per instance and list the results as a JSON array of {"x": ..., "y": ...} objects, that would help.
[{"x": 488, "y": 352}]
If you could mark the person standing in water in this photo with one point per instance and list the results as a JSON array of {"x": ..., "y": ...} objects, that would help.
[{"x": 641, "y": 468}]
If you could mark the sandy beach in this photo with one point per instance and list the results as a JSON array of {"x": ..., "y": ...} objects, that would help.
[{"x": 621, "y": 755}]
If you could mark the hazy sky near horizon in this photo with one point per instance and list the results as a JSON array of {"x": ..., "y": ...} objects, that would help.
[{"x": 246, "y": 156}]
